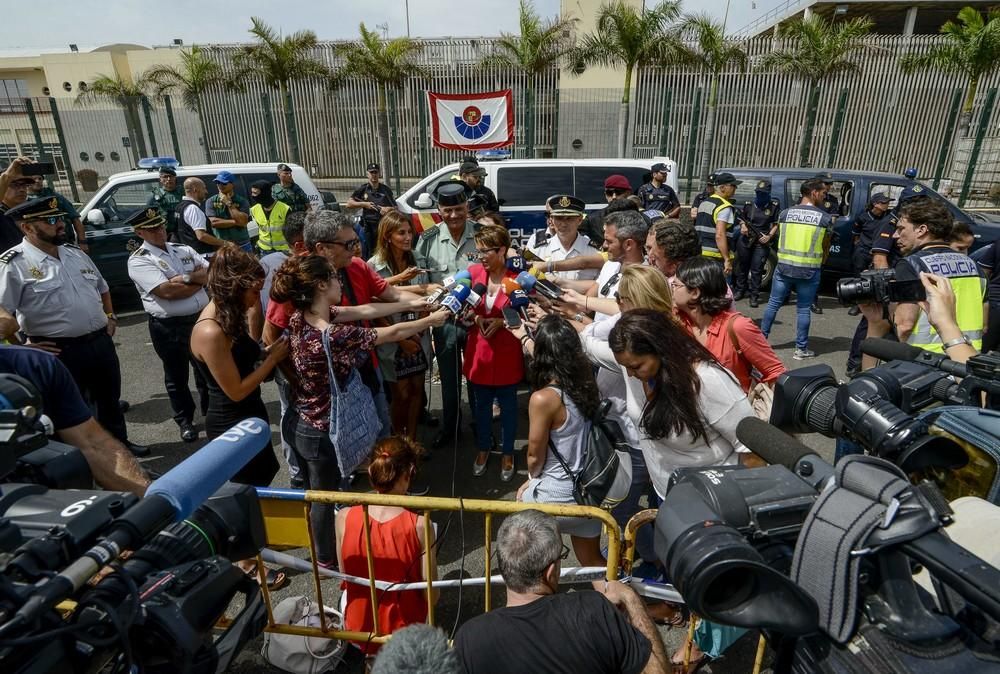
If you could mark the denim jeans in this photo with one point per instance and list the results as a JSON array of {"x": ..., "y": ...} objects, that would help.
[
  {"x": 624, "y": 511},
  {"x": 287, "y": 424},
  {"x": 506, "y": 396},
  {"x": 805, "y": 294},
  {"x": 319, "y": 470}
]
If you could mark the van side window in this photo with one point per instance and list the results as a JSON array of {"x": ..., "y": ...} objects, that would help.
[
  {"x": 590, "y": 180},
  {"x": 532, "y": 185},
  {"x": 121, "y": 201},
  {"x": 843, "y": 190},
  {"x": 747, "y": 190},
  {"x": 890, "y": 189}
]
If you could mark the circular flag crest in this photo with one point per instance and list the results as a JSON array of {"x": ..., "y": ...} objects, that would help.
[{"x": 473, "y": 123}]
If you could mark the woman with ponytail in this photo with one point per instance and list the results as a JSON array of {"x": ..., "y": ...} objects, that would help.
[
  {"x": 311, "y": 285},
  {"x": 397, "y": 543}
]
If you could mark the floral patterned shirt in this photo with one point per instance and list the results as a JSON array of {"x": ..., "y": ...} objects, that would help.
[{"x": 349, "y": 346}]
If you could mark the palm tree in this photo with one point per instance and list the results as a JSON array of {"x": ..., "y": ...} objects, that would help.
[
  {"x": 711, "y": 54},
  {"x": 125, "y": 93},
  {"x": 540, "y": 45},
  {"x": 387, "y": 63},
  {"x": 816, "y": 49},
  {"x": 630, "y": 38},
  {"x": 971, "y": 47},
  {"x": 279, "y": 61},
  {"x": 195, "y": 76}
]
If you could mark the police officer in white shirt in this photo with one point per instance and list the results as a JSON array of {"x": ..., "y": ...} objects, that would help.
[
  {"x": 64, "y": 307},
  {"x": 566, "y": 215},
  {"x": 171, "y": 278}
]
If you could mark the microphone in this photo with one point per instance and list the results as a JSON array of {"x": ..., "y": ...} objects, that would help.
[
  {"x": 463, "y": 275},
  {"x": 887, "y": 350},
  {"x": 446, "y": 285},
  {"x": 454, "y": 300},
  {"x": 526, "y": 281},
  {"x": 476, "y": 295},
  {"x": 777, "y": 447},
  {"x": 518, "y": 298},
  {"x": 172, "y": 498},
  {"x": 517, "y": 264}
]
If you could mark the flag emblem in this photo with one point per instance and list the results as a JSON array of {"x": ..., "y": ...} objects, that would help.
[{"x": 472, "y": 121}]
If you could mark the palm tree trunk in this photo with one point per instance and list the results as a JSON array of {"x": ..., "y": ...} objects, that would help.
[
  {"x": 708, "y": 141},
  {"x": 812, "y": 103},
  {"x": 382, "y": 112},
  {"x": 140, "y": 135},
  {"x": 623, "y": 114},
  {"x": 293, "y": 137},
  {"x": 204, "y": 130},
  {"x": 961, "y": 139}
]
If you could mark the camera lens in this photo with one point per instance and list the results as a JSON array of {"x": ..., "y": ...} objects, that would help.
[{"x": 851, "y": 291}]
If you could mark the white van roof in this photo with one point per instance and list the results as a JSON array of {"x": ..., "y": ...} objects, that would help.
[{"x": 201, "y": 169}]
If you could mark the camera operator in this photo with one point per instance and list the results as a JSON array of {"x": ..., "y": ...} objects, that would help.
[
  {"x": 111, "y": 463},
  {"x": 923, "y": 232}
]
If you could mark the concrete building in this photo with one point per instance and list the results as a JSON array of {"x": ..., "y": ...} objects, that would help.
[{"x": 891, "y": 17}]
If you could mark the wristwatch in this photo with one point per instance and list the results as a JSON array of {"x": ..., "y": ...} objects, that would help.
[
  {"x": 111, "y": 316},
  {"x": 186, "y": 279}
]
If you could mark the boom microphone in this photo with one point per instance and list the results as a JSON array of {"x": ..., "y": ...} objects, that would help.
[
  {"x": 887, "y": 350},
  {"x": 777, "y": 447}
]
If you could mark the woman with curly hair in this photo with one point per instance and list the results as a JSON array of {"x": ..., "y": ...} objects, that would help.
[
  {"x": 230, "y": 359},
  {"x": 565, "y": 397}
]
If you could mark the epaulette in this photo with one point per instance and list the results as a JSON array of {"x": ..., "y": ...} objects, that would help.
[
  {"x": 541, "y": 237},
  {"x": 9, "y": 255},
  {"x": 140, "y": 251},
  {"x": 430, "y": 233},
  {"x": 593, "y": 244}
]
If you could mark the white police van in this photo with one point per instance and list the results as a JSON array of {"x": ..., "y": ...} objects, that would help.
[
  {"x": 523, "y": 185},
  {"x": 124, "y": 193}
]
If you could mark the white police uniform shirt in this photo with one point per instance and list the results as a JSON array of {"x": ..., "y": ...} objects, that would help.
[
  {"x": 150, "y": 266},
  {"x": 607, "y": 285},
  {"x": 52, "y": 296},
  {"x": 543, "y": 234},
  {"x": 552, "y": 250}
]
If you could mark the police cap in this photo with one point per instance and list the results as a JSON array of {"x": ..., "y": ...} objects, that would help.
[
  {"x": 471, "y": 167},
  {"x": 168, "y": 171},
  {"x": 565, "y": 204},
  {"x": 725, "y": 179},
  {"x": 37, "y": 209},
  {"x": 373, "y": 168},
  {"x": 763, "y": 185},
  {"x": 451, "y": 193},
  {"x": 880, "y": 198},
  {"x": 145, "y": 218},
  {"x": 284, "y": 167},
  {"x": 659, "y": 167},
  {"x": 825, "y": 176}
]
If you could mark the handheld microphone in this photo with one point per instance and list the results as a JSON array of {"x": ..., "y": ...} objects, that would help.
[
  {"x": 887, "y": 350},
  {"x": 476, "y": 295},
  {"x": 518, "y": 298},
  {"x": 463, "y": 275},
  {"x": 446, "y": 285},
  {"x": 777, "y": 447},
  {"x": 172, "y": 498},
  {"x": 526, "y": 281},
  {"x": 453, "y": 301},
  {"x": 517, "y": 264}
]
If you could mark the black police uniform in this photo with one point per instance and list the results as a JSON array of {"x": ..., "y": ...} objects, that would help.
[
  {"x": 882, "y": 243},
  {"x": 662, "y": 198},
  {"x": 380, "y": 196},
  {"x": 752, "y": 254},
  {"x": 866, "y": 228},
  {"x": 490, "y": 199},
  {"x": 10, "y": 233}
]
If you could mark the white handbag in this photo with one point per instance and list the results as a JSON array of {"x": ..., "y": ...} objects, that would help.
[{"x": 299, "y": 654}]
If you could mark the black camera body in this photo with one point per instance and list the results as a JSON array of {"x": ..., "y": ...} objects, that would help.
[{"x": 879, "y": 286}]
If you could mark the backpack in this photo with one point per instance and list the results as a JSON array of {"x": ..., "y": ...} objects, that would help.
[{"x": 606, "y": 476}]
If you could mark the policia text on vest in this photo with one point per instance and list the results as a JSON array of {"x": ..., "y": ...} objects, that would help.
[{"x": 966, "y": 282}]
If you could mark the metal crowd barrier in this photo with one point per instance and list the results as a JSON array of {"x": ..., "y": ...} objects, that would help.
[{"x": 286, "y": 522}]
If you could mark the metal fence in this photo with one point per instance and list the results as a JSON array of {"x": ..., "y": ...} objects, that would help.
[{"x": 879, "y": 119}]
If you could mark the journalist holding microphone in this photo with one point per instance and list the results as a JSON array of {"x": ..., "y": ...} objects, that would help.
[{"x": 494, "y": 365}]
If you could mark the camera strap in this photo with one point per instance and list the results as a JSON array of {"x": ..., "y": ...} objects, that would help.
[{"x": 864, "y": 495}]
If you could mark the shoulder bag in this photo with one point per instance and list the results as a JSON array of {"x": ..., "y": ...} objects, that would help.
[{"x": 354, "y": 423}]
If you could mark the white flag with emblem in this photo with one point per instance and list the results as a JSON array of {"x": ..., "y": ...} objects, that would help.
[{"x": 472, "y": 121}]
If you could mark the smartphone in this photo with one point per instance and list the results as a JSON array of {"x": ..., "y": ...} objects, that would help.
[
  {"x": 529, "y": 256},
  {"x": 548, "y": 289},
  {"x": 38, "y": 169},
  {"x": 511, "y": 319}
]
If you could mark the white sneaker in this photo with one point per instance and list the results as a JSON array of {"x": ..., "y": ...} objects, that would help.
[{"x": 802, "y": 354}]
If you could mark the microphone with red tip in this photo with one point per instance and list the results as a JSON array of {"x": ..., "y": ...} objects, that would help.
[
  {"x": 777, "y": 447},
  {"x": 518, "y": 298}
]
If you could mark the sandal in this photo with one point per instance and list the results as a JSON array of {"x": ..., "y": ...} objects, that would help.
[
  {"x": 677, "y": 616},
  {"x": 275, "y": 579}
]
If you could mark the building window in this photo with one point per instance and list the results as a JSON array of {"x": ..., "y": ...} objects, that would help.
[{"x": 12, "y": 95}]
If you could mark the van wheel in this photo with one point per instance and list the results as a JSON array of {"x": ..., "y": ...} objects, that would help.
[{"x": 769, "y": 265}]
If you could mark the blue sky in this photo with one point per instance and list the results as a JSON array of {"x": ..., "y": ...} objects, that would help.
[{"x": 91, "y": 23}]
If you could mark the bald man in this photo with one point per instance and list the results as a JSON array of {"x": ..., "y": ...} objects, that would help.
[{"x": 192, "y": 224}]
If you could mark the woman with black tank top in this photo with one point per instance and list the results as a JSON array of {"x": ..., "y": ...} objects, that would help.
[{"x": 228, "y": 356}]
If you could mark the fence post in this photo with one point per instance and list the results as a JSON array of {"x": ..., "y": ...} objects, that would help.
[
  {"x": 272, "y": 144},
  {"x": 173, "y": 129},
  {"x": 555, "y": 123},
  {"x": 422, "y": 134},
  {"x": 838, "y": 127},
  {"x": 693, "y": 138},
  {"x": 529, "y": 141},
  {"x": 665, "y": 124},
  {"x": 949, "y": 133},
  {"x": 984, "y": 122},
  {"x": 39, "y": 150},
  {"x": 393, "y": 137},
  {"x": 147, "y": 113},
  {"x": 57, "y": 121}
]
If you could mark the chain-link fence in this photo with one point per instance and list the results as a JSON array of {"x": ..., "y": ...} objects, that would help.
[{"x": 877, "y": 119}]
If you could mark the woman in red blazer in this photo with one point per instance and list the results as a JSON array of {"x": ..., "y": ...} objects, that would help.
[{"x": 494, "y": 364}]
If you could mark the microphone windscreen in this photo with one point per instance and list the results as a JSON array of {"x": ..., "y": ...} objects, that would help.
[
  {"x": 510, "y": 285},
  {"x": 463, "y": 283},
  {"x": 526, "y": 281},
  {"x": 480, "y": 289},
  {"x": 771, "y": 443},
  {"x": 189, "y": 483},
  {"x": 461, "y": 292},
  {"x": 464, "y": 274},
  {"x": 887, "y": 350}
]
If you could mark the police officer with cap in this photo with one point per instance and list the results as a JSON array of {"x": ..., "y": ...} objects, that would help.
[
  {"x": 288, "y": 192},
  {"x": 715, "y": 219},
  {"x": 472, "y": 174},
  {"x": 657, "y": 194},
  {"x": 64, "y": 307},
  {"x": 831, "y": 204},
  {"x": 375, "y": 199},
  {"x": 171, "y": 278},
  {"x": 449, "y": 247},
  {"x": 566, "y": 213},
  {"x": 165, "y": 198},
  {"x": 758, "y": 227}
]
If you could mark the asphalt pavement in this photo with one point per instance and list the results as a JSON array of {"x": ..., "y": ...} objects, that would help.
[{"x": 448, "y": 471}]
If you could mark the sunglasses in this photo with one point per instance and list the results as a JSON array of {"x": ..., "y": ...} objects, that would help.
[
  {"x": 564, "y": 554},
  {"x": 349, "y": 245},
  {"x": 616, "y": 193}
]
